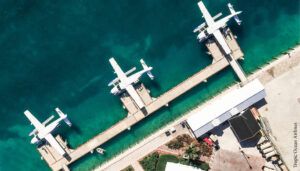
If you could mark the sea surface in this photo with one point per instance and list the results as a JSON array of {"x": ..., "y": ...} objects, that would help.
[{"x": 55, "y": 54}]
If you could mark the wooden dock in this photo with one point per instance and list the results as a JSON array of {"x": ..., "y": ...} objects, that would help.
[
  {"x": 129, "y": 103},
  {"x": 219, "y": 63},
  {"x": 236, "y": 52},
  {"x": 49, "y": 154},
  {"x": 217, "y": 53}
]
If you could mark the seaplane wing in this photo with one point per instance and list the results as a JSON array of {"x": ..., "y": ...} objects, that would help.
[
  {"x": 113, "y": 82},
  {"x": 121, "y": 75},
  {"x": 131, "y": 91},
  {"x": 224, "y": 20},
  {"x": 117, "y": 79},
  {"x": 208, "y": 18},
  {"x": 44, "y": 124},
  {"x": 37, "y": 124},
  {"x": 52, "y": 141},
  {"x": 221, "y": 40}
]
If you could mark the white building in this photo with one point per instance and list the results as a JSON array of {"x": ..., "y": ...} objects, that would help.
[
  {"x": 180, "y": 167},
  {"x": 225, "y": 107}
]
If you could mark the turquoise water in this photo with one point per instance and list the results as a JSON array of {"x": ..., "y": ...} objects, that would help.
[{"x": 55, "y": 53}]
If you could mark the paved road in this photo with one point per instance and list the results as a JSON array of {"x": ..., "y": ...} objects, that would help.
[
  {"x": 144, "y": 148},
  {"x": 283, "y": 112}
]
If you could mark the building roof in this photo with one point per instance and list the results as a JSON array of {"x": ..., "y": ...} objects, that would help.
[
  {"x": 244, "y": 126},
  {"x": 180, "y": 167},
  {"x": 225, "y": 107}
]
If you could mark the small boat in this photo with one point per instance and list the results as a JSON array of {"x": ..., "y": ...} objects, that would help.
[{"x": 100, "y": 150}]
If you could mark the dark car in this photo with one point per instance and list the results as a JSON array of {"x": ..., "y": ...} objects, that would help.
[
  {"x": 182, "y": 124},
  {"x": 168, "y": 133}
]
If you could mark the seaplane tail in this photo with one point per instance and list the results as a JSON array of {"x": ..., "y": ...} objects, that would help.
[
  {"x": 232, "y": 11},
  {"x": 147, "y": 69},
  {"x": 63, "y": 116}
]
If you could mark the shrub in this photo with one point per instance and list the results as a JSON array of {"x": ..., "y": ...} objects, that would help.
[
  {"x": 129, "y": 168},
  {"x": 180, "y": 141},
  {"x": 204, "y": 149},
  {"x": 149, "y": 162},
  {"x": 199, "y": 164},
  {"x": 175, "y": 144},
  {"x": 204, "y": 166},
  {"x": 185, "y": 138}
]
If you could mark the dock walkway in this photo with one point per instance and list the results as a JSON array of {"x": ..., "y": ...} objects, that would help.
[
  {"x": 161, "y": 101},
  {"x": 129, "y": 103},
  {"x": 218, "y": 64},
  {"x": 235, "y": 52}
]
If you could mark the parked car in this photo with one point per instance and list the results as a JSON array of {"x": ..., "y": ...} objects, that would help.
[
  {"x": 182, "y": 124},
  {"x": 173, "y": 130},
  {"x": 168, "y": 133}
]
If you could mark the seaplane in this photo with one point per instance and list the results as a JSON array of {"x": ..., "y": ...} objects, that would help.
[
  {"x": 124, "y": 82},
  {"x": 43, "y": 130},
  {"x": 212, "y": 27}
]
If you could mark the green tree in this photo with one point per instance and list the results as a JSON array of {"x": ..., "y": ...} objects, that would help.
[
  {"x": 129, "y": 168},
  {"x": 192, "y": 152}
]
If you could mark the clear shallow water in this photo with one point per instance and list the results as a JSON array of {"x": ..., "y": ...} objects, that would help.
[{"x": 56, "y": 54}]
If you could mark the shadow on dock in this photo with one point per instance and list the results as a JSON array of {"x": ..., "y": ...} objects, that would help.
[{"x": 66, "y": 156}]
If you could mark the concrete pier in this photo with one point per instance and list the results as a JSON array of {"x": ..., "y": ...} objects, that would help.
[
  {"x": 129, "y": 103},
  {"x": 237, "y": 69},
  {"x": 236, "y": 52},
  {"x": 135, "y": 115},
  {"x": 216, "y": 52},
  {"x": 49, "y": 154}
]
